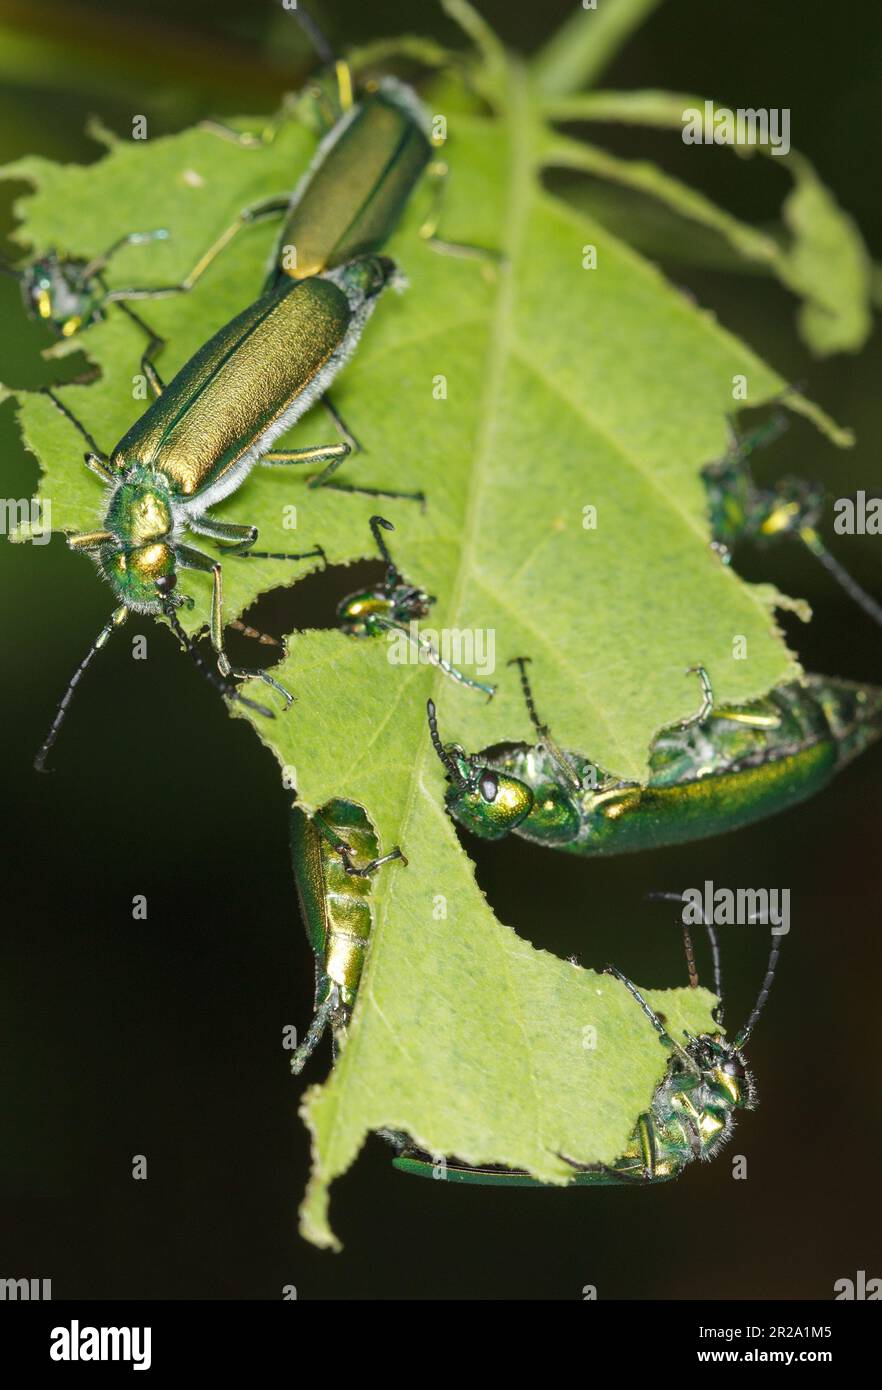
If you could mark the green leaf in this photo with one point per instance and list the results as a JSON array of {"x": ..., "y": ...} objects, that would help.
[
  {"x": 566, "y": 389},
  {"x": 818, "y": 252},
  {"x": 464, "y": 1036}
]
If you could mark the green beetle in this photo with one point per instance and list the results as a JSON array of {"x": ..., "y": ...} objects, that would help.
[
  {"x": 692, "y": 1113},
  {"x": 720, "y": 770},
  {"x": 375, "y": 147},
  {"x": 69, "y": 293},
  {"x": 203, "y": 434},
  {"x": 334, "y": 853},
  {"x": 740, "y": 510},
  {"x": 395, "y": 606}
]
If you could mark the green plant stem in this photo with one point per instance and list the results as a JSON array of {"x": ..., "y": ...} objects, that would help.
[{"x": 586, "y": 43}]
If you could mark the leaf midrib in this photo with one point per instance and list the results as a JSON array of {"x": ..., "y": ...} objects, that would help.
[{"x": 519, "y": 175}]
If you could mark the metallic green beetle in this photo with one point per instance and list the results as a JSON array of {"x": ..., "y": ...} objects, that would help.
[
  {"x": 723, "y": 769},
  {"x": 692, "y": 1112},
  {"x": 740, "y": 510},
  {"x": 334, "y": 853},
  {"x": 206, "y": 430},
  {"x": 375, "y": 147},
  {"x": 394, "y": 606},
  {"x": 69, "y": 293}
]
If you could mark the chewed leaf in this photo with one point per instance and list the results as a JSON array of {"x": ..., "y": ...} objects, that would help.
[
  {"x": 464, "y": 1036},
  {"x": 556, "y": 403},
  {"x": 817, "y": 251},
  {"x": 828, "y": 263}
]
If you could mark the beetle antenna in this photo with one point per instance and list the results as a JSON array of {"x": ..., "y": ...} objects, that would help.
[
  {"x": 542, "y": 729},
  {"x": 316, "y": 36},
  {"x": 439, "y": 748},
  {"x": 647, "y": 1008},
  {"x": 744, "y": 1033},
  {"x": 690, "y": 957},
  {"x": 810, "y": 538},
  {"x": 64, "y": 703},
  {"x": 393, "y": 575},
  {"x": 653, "y": 1017},
  {"x": 712, "y": 939},
  {"x": 521, "y": 663},
  {"x": 759, "y": 438},
  {"x": 136, "y": 318},
  {"x": 208, "y": 672}
]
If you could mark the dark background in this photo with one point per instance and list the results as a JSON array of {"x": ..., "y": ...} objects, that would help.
[{"x": 163, "y": 1037}]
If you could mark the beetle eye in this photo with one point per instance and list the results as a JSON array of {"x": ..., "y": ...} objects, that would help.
[
  {"x": 489, "y": 786},
  {"x": 734, "y": 1068},
  {"x": 166, "y": 583}
]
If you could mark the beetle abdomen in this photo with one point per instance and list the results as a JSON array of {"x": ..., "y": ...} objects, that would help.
[
  {"x": 355, "y": 192},
  {"x": 245, "y": 379}
]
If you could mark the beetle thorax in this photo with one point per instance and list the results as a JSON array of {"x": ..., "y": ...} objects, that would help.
[
  {"x": 362, "y": 614},
  {"x": 140, "y": 510},
  {"x": 141, "y": 564},
  {"x": 695, "y": 1110},
  {"x": 409, "y": 603}
]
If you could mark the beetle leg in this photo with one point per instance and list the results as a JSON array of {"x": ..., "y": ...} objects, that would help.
[
  {"x": 374, "y": 492},
  {"x": 707, "y": 699},
  {"x": 336, "y": 453},
  {"x": 345, "y": 851},
  {"x": 318, "y": 554},
  {"x": 343, "y": 429},
  {"x": 255, "y": 213},
  {"x": 320, "y": 1020},
  {"x": 240, "y": 540},
  {"x": 317, "y": 453},
  {"x": 195, "y": 560},
  {"x": 238, "y": 537},
  {"x": 154, "y": 380},
  {"x": 90, "y": 540},
  {"x": 371, "y": 867},
  {"x": 244, "y": 138},
  {"x": 246, "y": 536},
  {"x": 622, "y": 1175},
  {"x": 229, "y": 691},
  {"x": 439, "y": 173},
  {"x": 646, "y": 1134},
  {"x": 94, "y": 267},
  {"x": 96, "y": 459}
]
